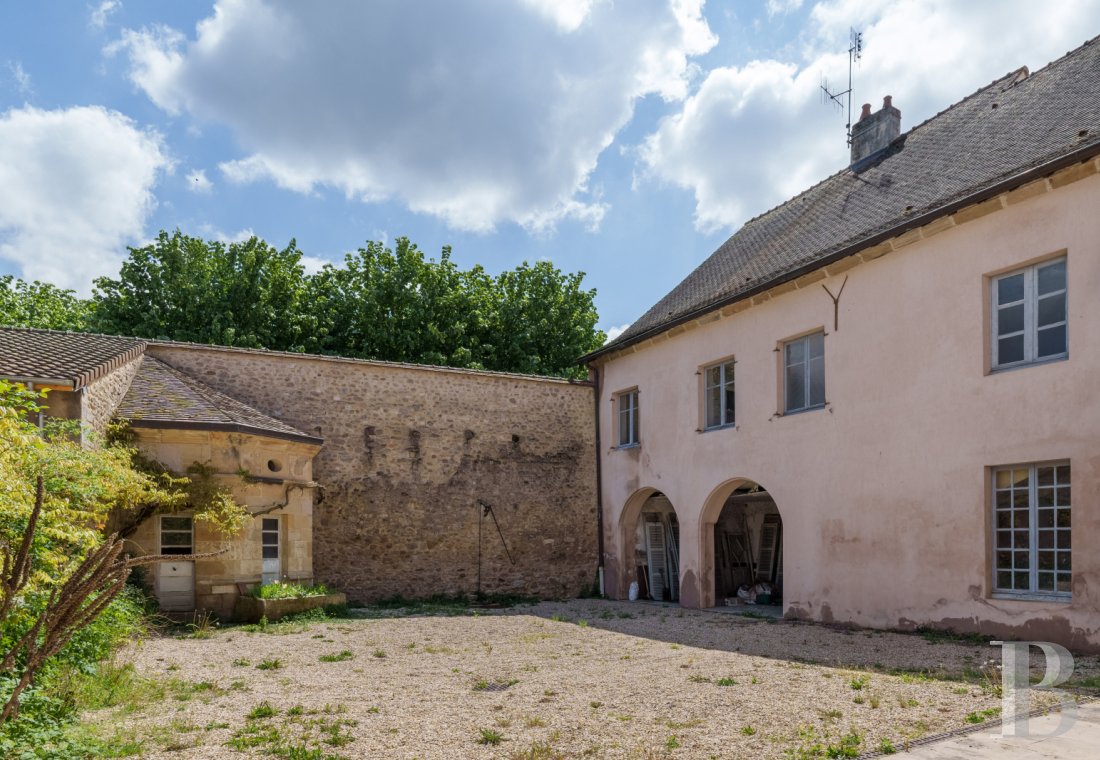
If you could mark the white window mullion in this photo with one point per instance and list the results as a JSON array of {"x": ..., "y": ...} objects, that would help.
[
  {"x": 1030, "y": 332},
  {"x": 1033, "y": 528}
]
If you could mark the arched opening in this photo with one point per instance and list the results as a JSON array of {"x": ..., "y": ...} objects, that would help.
[
  {"x": 743, "y": 543},
  {"x": 651, "y": 547}
]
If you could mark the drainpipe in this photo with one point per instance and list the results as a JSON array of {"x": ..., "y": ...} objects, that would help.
[{"x": 599, "y": 479}]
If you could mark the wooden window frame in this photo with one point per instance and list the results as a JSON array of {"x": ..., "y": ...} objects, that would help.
[
  {"x": 1030, "y": 302},
  {"x": 1033, "y": 592},
  {"x": 784, "y": 365},
  {"x": 633, "y": 435},
  {"x": 161, "y": 530},
  {"x": 726, "y": 378}
]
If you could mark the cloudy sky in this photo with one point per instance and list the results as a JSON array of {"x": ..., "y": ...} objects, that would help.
[{"x": 624, "y": 138}]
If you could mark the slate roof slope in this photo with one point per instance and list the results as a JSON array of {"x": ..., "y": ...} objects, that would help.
[
  {"x": 164, "y": 397},
  {"x": 62, "y": 358},
  {"x": 1003, "y": 133}
]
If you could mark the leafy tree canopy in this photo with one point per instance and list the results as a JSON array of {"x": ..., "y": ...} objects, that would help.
[
  {"x": 184, "y": 288},
  {"x": 39, "y": 304},
  {"x": 381, "y": 303}
]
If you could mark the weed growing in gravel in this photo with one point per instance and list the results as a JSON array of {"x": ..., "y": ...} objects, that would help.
[
  {"x": 847, "y": 747},
  {"x": 980, "y": 717},
  {"x": 490, "y": 737},
  {"x": 534, "y": 722},
  {"x": 672, "y": 743},
  {"x": 698, "y": 679},
  {"x": 270, "y": 664},
  {"x": 726, "y": 682},
  {"x": 241, "y": 662},
  {"x": 859, "y": 683},
  {"x": 539, "y": 751},
  {"x": 378, "y": 653},
  {"x": 347, "y": 654},
  {"x": 887, "y": 747},
  {"x": 302, "y": 734},
  {"x": 262, "y": 710},
  {"x": 748, "y": 731}
]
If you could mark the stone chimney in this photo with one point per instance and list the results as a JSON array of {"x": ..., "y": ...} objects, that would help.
[{"x": 874, "y": 131}]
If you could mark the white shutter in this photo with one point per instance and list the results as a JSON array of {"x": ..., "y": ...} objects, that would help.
[{"x": 655, "y": 554}]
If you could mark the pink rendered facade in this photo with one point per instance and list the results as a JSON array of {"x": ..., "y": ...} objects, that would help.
[{"x": 886, "y": 493}]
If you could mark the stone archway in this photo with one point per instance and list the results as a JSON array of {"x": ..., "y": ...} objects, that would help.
[
  {"x": 741, "y": 541},
  {"x": 649, "y": 544}
]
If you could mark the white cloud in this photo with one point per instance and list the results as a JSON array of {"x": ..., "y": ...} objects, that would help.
[
  {"x": 313, "y": 264},
  {"x": 777, "y": 7},
  {"x": 615, "y": 332},
  {"x": 21, "y": 78},
  {"x": 100, "y": 14},
  {"x": 751, "y": 136},
  {"x": 567, "y": 14},
  {"x": 197, "y": 181},
  {"x": 76, "y": 185},
  {"x": 483, "y": 114},
  {"x": 210, "y": 232}
]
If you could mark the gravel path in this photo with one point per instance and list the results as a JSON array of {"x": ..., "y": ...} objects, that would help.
[{"x": 574, "y": 679}]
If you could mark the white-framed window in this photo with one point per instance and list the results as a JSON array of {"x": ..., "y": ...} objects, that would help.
[
  {"x": 626, "y": 408},
  {"x": 718, "y": 395},
  {"x": 804, "y": 373},
  {"x": 1031, "y": 530},
  {"x": 1029, "y": 315},
  {"x": 177, "y": 535}
]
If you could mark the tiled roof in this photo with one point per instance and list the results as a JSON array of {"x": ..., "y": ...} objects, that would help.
[
  {"x": 1018, "y": 127},
  {"x": 163, "y": 397},
  {"x": 62, "y": 358}
]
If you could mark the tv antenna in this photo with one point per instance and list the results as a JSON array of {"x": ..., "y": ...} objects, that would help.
[{"x": 844, "y": 99}]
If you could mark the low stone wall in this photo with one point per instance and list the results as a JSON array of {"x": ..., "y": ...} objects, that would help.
[{"x": 410, "y": 456}]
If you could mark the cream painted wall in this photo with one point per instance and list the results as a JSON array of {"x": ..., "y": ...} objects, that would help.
[
  {"x": 228, "y": 454},
  {"x": 884, "y": 493}
]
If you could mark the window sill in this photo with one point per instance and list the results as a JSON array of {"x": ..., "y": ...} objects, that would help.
[
  {"x": 1026, "y": 597},
  {"x": 627, "y": 446},
  {"x": 714, "y": 428},
  {"x": 795, "y": 412},
  {"x": 1025, "y": 365}
]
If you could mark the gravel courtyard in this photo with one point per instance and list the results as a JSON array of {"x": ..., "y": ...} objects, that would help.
[{"x": 554, "y": 680}]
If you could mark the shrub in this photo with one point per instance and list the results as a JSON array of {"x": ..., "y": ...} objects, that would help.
[{"x": 280, "y": 590}]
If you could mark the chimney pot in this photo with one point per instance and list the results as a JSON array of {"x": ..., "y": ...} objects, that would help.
[{"x": 875, "y": 131}]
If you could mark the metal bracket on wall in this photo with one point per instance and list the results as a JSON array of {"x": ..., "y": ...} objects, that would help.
[
  {"x": 488, "y": 511},
  {"x": 836, "y": 302}
]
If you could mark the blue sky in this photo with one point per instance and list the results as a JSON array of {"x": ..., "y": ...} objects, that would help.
[{"x": 624, "y": 139}]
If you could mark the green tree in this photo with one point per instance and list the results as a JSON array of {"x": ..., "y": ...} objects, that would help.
[
  {"x": 544, "y": 321},
  {"x": 39, "y": 304},
  {"x": 59, "y": 572},
  {"x": 381, "y": 303},
  {"x": 398, "y": 306},
  {"x": 184, "y": 288}
]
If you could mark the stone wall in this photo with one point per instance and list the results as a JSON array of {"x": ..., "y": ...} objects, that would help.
[
  {"x": 410, "y": 452},
  {"x": 100, "y": 398}
]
